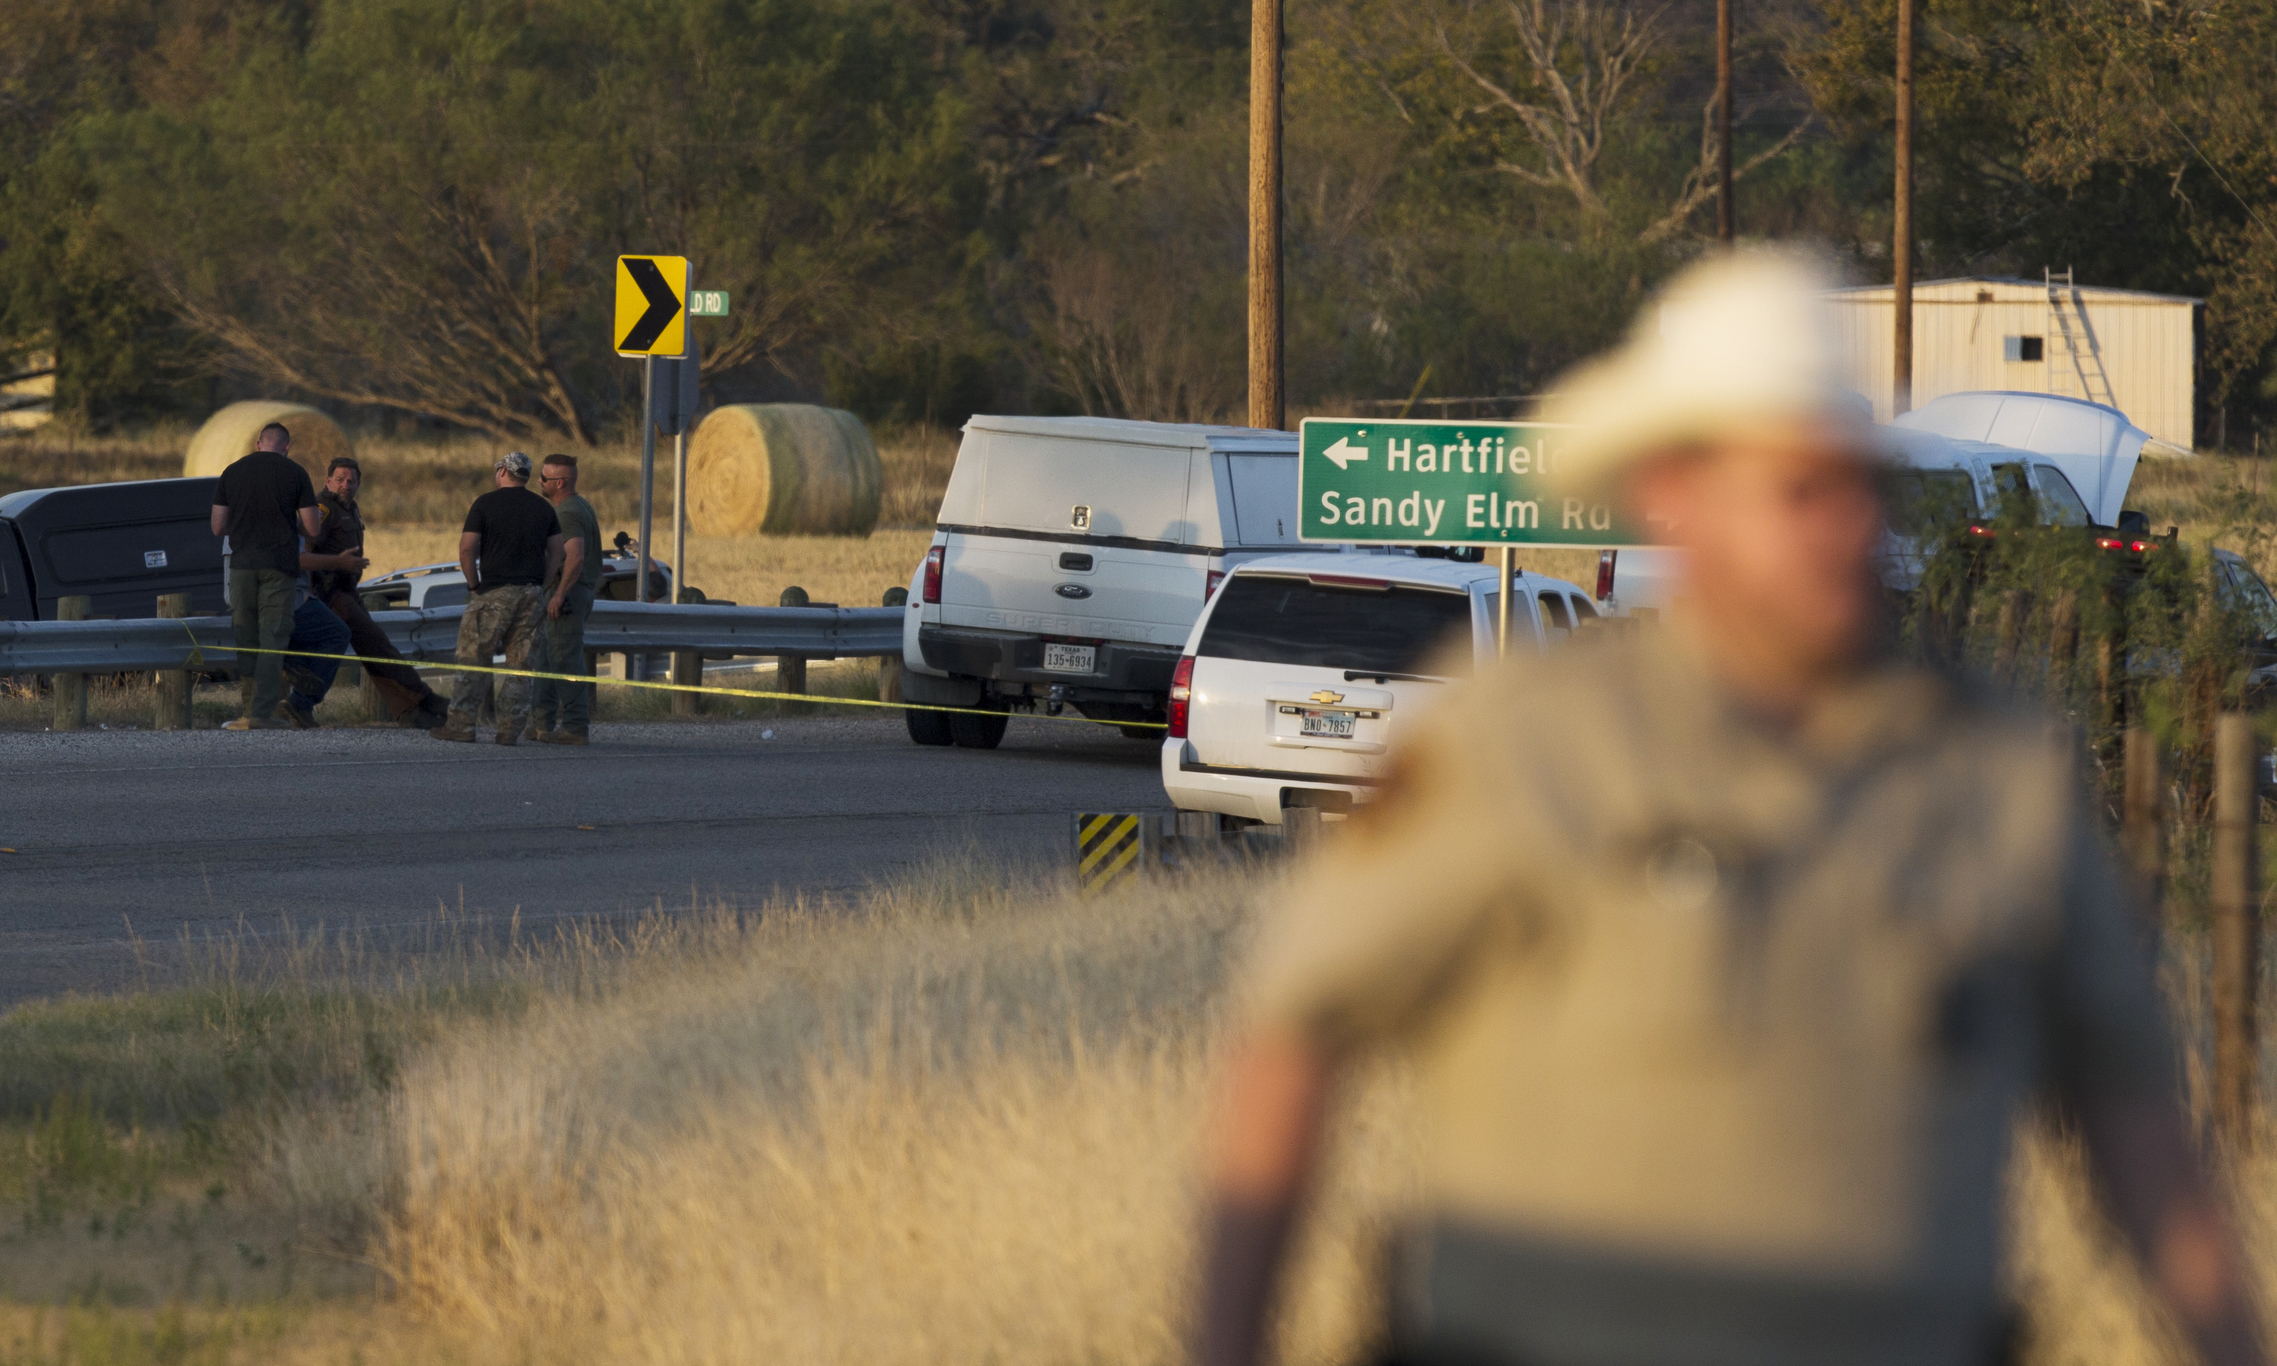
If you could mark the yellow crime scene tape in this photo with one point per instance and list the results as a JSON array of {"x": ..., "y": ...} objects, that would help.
[{"x": 198, "y": 651}]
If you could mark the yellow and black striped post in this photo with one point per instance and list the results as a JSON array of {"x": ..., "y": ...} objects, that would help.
[{"x": 1109, "y": 846}]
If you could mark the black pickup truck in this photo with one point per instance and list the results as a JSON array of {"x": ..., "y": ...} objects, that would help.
[{"x": 119, "y": 544}]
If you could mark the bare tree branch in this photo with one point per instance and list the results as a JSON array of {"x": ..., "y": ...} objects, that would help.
[{"x": 1700, "y": 185}]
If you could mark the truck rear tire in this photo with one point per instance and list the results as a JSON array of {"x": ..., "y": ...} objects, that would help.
[
  {"x": 978, "y": 729},
  {"x": 928, "y": 727}
]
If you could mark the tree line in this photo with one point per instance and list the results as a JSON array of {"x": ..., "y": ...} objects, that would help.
[{"x": 924, "y": 208}]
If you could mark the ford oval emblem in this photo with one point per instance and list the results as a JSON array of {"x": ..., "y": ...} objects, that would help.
[{"x": 1074, "y": 590}]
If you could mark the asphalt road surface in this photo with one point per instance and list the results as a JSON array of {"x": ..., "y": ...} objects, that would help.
[{"x": 118, "y": 836}]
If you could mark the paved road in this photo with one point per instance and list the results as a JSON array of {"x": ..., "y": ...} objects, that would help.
[{"x": 380, "y": 828}]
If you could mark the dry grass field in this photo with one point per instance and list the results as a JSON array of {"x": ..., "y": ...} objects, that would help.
[{"x": 952, "y": 1120}]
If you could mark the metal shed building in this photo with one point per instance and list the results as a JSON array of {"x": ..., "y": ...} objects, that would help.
[{"x": 2122, "y": 347}]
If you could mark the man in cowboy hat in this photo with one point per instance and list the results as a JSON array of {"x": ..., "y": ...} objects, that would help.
[{"x": 1727, "y": 952}]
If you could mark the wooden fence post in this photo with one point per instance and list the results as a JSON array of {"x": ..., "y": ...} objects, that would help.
[
  {"x": 172, "y": 711},
  {"x": 2009, "y": 632},
  {"x": 2237, "y": 928},
  {"x": 71, "y": 689},
  {"x": 2145, "y": 819}
]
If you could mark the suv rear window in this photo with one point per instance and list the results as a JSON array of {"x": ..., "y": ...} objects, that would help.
[
  {"x": 1275, "y": 620},
  {"x": 1923, "y": 501}
]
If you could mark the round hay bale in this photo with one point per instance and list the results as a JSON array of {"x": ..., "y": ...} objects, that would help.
[
  {"x": 783, "y": 469},
  {"x": 231, "y": 432}
]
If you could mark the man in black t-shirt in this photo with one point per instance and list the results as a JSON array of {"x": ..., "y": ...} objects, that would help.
[
  {"x": 264, "y": 504},
  {"x": 510, "y": 547}
]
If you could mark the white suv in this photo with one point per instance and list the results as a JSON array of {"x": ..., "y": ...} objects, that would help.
[{"x": 1303, "y": 669}]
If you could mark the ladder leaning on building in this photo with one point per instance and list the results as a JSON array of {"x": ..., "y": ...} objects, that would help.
[{"x": 2067, "y": 318}]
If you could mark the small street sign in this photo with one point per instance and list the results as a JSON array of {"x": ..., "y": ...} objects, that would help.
[
  {"x": 1396, "y": 482},
  {"x": 650, "y": 317},
  {"x": 707, "y": 303}
]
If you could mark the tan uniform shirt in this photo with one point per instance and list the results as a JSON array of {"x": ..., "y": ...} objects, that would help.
[{"x": 1689, "y": 989}]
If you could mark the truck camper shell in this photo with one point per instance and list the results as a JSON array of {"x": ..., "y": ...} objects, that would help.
[
  {"x": 2096, "y": 447},
  {"x": 120, "y": 545}
]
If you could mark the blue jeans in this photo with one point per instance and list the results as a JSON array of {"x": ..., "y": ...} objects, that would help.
[{"x": 317, "y": 628}]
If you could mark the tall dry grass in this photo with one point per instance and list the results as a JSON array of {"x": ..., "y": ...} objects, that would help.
[
  {"x": 956, "y": 1122},
  {"x": 955, "y": 1119}
]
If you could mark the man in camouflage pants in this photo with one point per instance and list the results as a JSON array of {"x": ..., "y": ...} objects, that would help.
[{"x": 510, "y": 547}]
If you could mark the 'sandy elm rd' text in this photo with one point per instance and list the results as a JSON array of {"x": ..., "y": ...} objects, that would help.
[{"x": 1481, "y": 511}]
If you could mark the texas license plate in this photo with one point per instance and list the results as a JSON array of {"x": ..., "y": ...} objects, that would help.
[
  {"x": 1330, "y": 725},
  {"x": 1070, "y": 659}
]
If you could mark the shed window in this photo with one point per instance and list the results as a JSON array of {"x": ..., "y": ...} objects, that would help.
[{"x": 2027, "y": 348}]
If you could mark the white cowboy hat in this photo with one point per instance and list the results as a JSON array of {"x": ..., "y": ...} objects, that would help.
[{"x": 1736, "y": 342}]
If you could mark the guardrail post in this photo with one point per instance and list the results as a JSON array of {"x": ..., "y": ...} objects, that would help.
[
  {"x": 687, "y": 672},
  {"x": 889, "y": 666},
  {"x": 172, "y": 711},
  {"x": 687, "y": 665},
  {"x": 790, "y": 670},
  {"x": 71, "y": 689},
  {"x": 2237, "y": 928}
]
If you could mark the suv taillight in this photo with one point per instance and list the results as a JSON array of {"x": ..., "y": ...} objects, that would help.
[
  {"x": 933, "y": 559},
  {"x": 1181, "y": 696},
  {"x": 1605, "y": 560},
  {"x": 1210, "y": 585}
]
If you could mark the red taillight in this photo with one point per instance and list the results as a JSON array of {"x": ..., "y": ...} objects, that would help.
[
  {"x": 1181, "y": 696},
  {"x": 1978, "y": 530},
  {"x": 1605, "y": 559},
  {"x": 2141, "y": 547},
  {"x": 933, "y": 572},
  {"x": 1210, "y": 587},
  {"x": 2109, "y": 543}
]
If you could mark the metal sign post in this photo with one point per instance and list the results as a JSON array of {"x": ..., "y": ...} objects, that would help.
[
  {"x": 647, "y": 484},
  {"x": 1502, "y": 607},
  {"x": 684, "y": 415}
]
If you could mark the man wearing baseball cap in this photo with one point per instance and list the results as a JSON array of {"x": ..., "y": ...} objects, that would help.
[
  {"x": 510, "y": 547},
  {"x": 1726, "y": 952}
]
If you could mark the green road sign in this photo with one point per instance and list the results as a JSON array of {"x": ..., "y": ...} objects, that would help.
[
  {"x": 707, "y": 303},
  {"x": 1442, "y": 483}
]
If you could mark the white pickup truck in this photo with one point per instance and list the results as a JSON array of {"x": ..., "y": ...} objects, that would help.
[{"x": 1071, "y": 559}]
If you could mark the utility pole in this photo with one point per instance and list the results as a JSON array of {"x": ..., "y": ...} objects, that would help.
[
  {"x": 1265, "y": 404},
  {"x": 1901, "y": 248},
  {"x": 1725, "y": 213}
]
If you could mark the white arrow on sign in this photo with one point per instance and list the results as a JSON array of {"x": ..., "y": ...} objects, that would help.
[{"x": 1344, "y": 453}]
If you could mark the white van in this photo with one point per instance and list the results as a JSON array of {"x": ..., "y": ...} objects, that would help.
[
  {"x": 1306, "y": 669},
  {"x": 1071, "y": 558}
]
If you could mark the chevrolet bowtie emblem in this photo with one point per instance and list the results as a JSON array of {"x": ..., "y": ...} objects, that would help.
[{"x": 1326, "y": 698}]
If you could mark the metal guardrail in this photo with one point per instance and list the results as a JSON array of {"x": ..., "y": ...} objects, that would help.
[{"x": 98, "y": 647}]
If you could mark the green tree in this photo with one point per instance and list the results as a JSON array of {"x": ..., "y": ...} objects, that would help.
[{"x": 418, "y": 206}]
